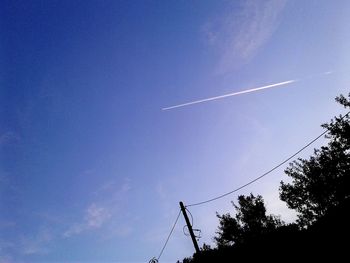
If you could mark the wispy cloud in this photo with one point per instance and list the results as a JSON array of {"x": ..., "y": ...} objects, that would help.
[
  {"x": 5, "y": 259},
  {"x": 74, "y": 230},
  {"x": 9, "y": 137},
  {"x": 38, "y": 243},
  {"x": 242, "y": 31},
  {"x": 7, "y": 224},
  {"x": 113, "y": 187},
  {"x": 95, "y": 217},
  {"x": 4, "y": 245},
  {"x": 108, "y": 198}
]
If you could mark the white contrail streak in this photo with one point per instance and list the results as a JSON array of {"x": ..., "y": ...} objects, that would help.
[{"x": 232, "y": 94}]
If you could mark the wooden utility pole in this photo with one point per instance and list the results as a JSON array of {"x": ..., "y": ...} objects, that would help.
[{"x": 194, "y": 240}]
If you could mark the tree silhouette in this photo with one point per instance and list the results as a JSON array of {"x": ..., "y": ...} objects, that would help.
[
  {"x": 319, "y": 192},
  {"x": 249, "y": 222},
  {"x": 322, "y": 181}
]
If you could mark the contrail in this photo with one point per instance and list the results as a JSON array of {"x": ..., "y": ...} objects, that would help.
[{"x": 233, "y": 94}]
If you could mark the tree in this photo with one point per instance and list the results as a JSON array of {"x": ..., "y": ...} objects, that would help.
[
  {"x": 249, "y": 222},
  {"x": 322, "y": 181},
  {"x": 319, "y": 191}
]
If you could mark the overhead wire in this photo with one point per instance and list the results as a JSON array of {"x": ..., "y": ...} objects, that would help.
[
  {"x": 171, "y": 231},
  {"x": 185, "y": 226},
  {"x": 238, "y": 188},
  {"x": 194, "y": 229},
  {"x": 183, "y": 230},
  {"x": 266, "y": 173},
  {"x": 190, "y": 215}
]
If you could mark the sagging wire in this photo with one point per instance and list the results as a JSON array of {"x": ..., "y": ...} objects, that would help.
[
  {"x": 197, "y": 232},
  {"x": 156, "y": 260},
  {"x": 268, "y": 172}
]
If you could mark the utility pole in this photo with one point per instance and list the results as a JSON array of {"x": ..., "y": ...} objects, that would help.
[{"x": 183, "y": 209}]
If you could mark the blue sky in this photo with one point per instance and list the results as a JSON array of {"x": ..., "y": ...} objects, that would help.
[{"x": 91, "y": 168}]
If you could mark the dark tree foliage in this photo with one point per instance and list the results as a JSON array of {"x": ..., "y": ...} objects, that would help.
[
  {"x": 249, "y": 222},
  {"x": 319, "y": 191},
  {"x": 322, "y": 181},
  {"x": 325, "y": 240}
]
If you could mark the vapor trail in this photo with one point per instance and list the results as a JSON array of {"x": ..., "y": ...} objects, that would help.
[{"x": 232, "y": 94}]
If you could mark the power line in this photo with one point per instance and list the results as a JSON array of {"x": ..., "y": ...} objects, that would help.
[
  {"x": 198, "y": 236},
  {"x": 155, "y": 260},
  {"x": 183, "y": 229},
  {"x": 268, "y": 172},
  {"x": 171, "y": 231},
  {"x": 190, "y": 215}
]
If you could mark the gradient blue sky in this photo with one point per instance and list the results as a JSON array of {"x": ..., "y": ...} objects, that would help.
[{"x": 91, "y": 168}]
